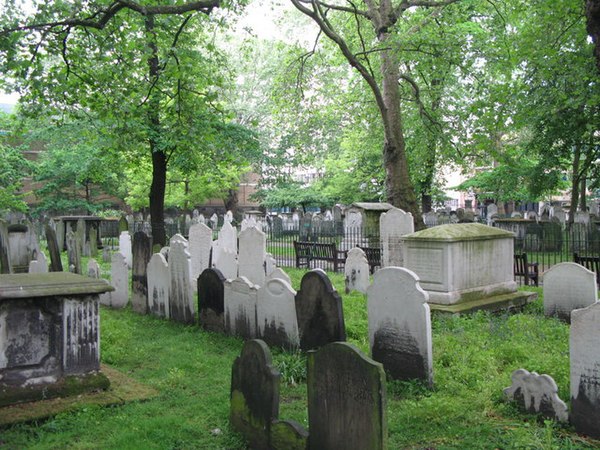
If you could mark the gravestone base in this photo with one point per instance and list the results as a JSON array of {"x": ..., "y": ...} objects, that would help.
[{"x": 502, "y": 302}]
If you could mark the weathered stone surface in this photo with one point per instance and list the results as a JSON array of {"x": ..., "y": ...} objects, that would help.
[
  {"x": 141, "y": 254},
  {"x": 288, "y": 435},
  {"x": 228, "y": 237},
  {"x": 39, "y": 265},
  {"x": 5, "y": 265},
  {"x": 278, "y": 272},
  {"x": 93, "y": 269},
  {"x": 252, "y": 254},
  {"x": 254, "y": 394},
  {"x": 346, "y": 399},
  {"x": 84, "y": 249},
  {"x": 119, "y": 273},
  {"x": 225, "y": 260},
  {"x": 125, "y": 247},
  {"x": 568, "y": 286},
  {"x": 200, "y": 238},
  {"x": 276, "y": 314},
  {"x": 356, "y": 270},
  {"x": 159, "y": 285},
  {"x": 73, "y": 254},
  {"x": 240, "y": 307},
  {"x": 537, "y": 394},
  {"x": 53, "y": 249},
  {"x": 585, "y": 370},
  {"x": 123, "y": 224},
  {"x": 319, "y": 311},
  {"x": 394, "y": 224},
  {"x": 181, "y": 294},
  {"x": 400, "y": 324},
  {"x": 211, "y": 300}
]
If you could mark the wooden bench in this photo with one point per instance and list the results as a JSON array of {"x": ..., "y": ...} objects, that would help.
[
  {"x": 529, "y": 271},
  {"x": 589, "y": 262},
  {"x": 317, "y": 251},
  {"x": 373, "y": 255}
]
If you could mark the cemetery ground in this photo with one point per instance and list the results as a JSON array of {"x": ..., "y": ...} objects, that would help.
[{"x": 190, "y": 368}]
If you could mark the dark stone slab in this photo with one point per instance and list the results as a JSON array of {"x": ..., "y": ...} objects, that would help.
[
  {"x": 288, "y": 435},
  {"x": 319, "y": 311},
  {"x": 53, "y": 248},
  {"x": 254, "y": 394},
  {"x": 141, "y": 250},
  {"x": 25, "y": 285},
  {"x": 346, "y": 400},
  {"x": 211, "y": 300},
  {"x": 5, "y": 266}
]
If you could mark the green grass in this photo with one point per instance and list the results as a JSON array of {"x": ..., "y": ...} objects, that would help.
[{"x": 474, "y": 357}]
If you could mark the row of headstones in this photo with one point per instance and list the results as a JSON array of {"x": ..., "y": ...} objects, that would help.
[{"x": 346, "y": 401}]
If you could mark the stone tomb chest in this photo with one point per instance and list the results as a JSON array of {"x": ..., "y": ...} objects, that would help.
[
  {"x": 466, "y": 262},
  {"x": 49, "y": 336}
]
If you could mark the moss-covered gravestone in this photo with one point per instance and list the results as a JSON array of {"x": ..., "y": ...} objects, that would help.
[
  {"x": 141, "y": 253},
  {"x": 211, "y": 300},
  {"x": 53, "y": 249},
  {"x": 254, "y": 394},
  {"x": 346, "y": 400}
]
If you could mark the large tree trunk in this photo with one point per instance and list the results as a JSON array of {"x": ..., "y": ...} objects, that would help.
[
  {"x": 592, "y": 12},
  {"x": 575, "y": 179},
  {"x": 231, "y": 201}
]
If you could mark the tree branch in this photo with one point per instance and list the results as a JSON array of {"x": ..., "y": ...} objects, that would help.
[{"x": 352, "y": 9}]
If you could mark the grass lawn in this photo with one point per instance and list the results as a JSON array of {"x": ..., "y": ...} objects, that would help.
[{"x": 474, "y": 357}]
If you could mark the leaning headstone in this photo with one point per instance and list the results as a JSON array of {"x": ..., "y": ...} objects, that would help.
[
  {"x": 181, "y": 294},
  {"x": 60, "y": 236},
  {"x": 252, "y": 254},
  {"x": 141, "y": 254},
  {"x": 211, "y": 300},
  {"x": 394, "y": 224},
  {"x": 568, "y": 286},
  {"x": 254, "y": 394},
  {"x": 200, "y": 239},
  {"x": 356, "y": 271},
  {"x": 537, "y": 394},
  {"x": 80, "y": 234},
  {"x": 5, "y": 265},
  {"x": 240, "y": 307},
  {"x": 159, "y": 284},
  {"x": 39, "y": 265},
  {"x": 276, "y": 314},
  {"x": 400, "y": 324},
  {"x": 585, "y": 370},
  {"x": 319, "y": 311},
  {"x": 119, "y": 279},
  {"x": 346, "y": 400},
  {"x": 53, "y": 249},
  {"x": 125, "y": 247},
  {"x": 73, "y": 252}
]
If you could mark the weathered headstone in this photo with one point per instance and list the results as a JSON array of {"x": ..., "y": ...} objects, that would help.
[
  {"x": 211, "y": 300},
  {"x": 123, "y": 224},
  {"x": 270, "y": 264},
  {"x": 119, "y": 272},
  {"x": 240, "y": 307},
  {"x": 228, "y": 217},
  {"x": 279, "y": 273},
  {"x": 80, "y": 234},
  {"x": 254, "y": 394},
  {"x": 106, "y": 254},
  {"x": 400, "y": 324},
  {"x": 225, "y": 260},
  {"x": 200, "y": 239},
  {"x": 276, "y": 314},
  {"x": 93, "y": 269},
  {"x": 319, "y": 311},
  {"x": 356, "y": 271},
  {"x": 346, "y": 400},
  {"x": 228, "y": 238},
  {"x": 537, "y": 394},
  {"x": 568, "y": 286},
  {"x": 214, "y": 220},
  {"x": 39, "y": 265},
  {"x": 288, "y": 435},
  {"x": 5, "y": 265},
  {"x": 60, "y": 236},
  {"x": 73, "y": 254},
  {"x": 93, "y": 242},
  {"x": 585, "y": 370},
  {"x": 159, "y": 285},
  {"x": 394, "y": 224},
  {"x": 252, "y": 254},
  {"x": 53, "y": 249},
  {"x": 125, "y": 247},
  {"x": 141, "y": 254},
  {"x": 181, "y": 294}
]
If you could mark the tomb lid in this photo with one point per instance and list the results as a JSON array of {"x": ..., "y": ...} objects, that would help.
[
  {"x": 28, "y": 285},
  {"x": 459, "y": 232},
  {"x": 371, "y": 206}
]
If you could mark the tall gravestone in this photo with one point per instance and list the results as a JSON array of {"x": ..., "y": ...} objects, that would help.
[
  {"x": 254, "y": 394},
  {"x": 568, "y": 286},
  {"x": 53, "y": 249},
  {"x": 61, "y": 234},
  {"x": 93, "y": 241},
  {"x": 400, "y": 324},
  {"x": 5, "y": 266},
  {"x": 356, "y": 271},
  {"x": 159, "y": 284},
  {"x": 211, "y": 300},
  {"x": 241, "y": 297},
  {"x": 73, "y": 253},
  {"x": 394, "y": 224},
  {"x": 252, "y": 254},
  {"x": 119, "y": 273},
  {"x": 141, "y": 254},
  {"x": 346, "y": 400},
  {"x": 585, "y": 370},
  {"x": 200, "y": 239},
  {"x": 125, "y": 247},
  {"x": 319, "y": 311},
  {"x": 40, "y": 264},
  {"x": 181, "y": 295},
  {"x": 276, "y": 314},
  {"x": 225, "y": 260},
  {"x": 84, "y": 248}
]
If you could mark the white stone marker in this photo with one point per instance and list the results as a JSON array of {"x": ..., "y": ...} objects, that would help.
[
  {"x": 251, "y": 258},
  {"x": 181, "y": 294},
  {"x": 39, "y": 265},
  {"x": 125, "y": 247},
  {"x": 225, "y": 260},
  {"x": 278, "y": 273},
  {"x": 159, "y": 285},
  {"x": 241, "y": 297},
  {"x": 400, "y": 324},
  {"x": 228, "y": 237},
  {"x": 568, "y": 286},
  {"x": 200, "y": 243},
  {"x": 356, "y": 271},
  {"x": 276, "y": 314},
  {"x": 120, "y": 280},
  {"x": 392, "y": 226},
  {"x": 270, "y": 264}
]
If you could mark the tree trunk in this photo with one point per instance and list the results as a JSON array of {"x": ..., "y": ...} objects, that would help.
[
  {"x": 574, "y": 184},
  {"x": 231, "y": 202},
  {"x": 582, "y": 194}
]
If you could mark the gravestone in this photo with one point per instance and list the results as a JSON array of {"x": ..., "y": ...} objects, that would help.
[
  {"x": 214, "y": 220},
  {"x": 123, "y": 224},
  {"x": 39, "y": 265},
  {"x": 159, "y": 285},
  {"x": 492, "y": 210},
  {"x": 119, "y": 272},
  {"x": 228, "y": 217},
  {"x": 60, "y": 235},
  {"x": 276, "y": 314},
  {"x": 394, "y": 224},
  {"x": 319, "y": 311},
  {"x": 277, "y": 226},
  {"x": 53, "y": 249},
  {"x": 228, "y": 238},
  {"x": 141, "y": 254},
  {"x": 5, "y": 265},
  {"x": 125, "y": 247},
  {"x": 430, "y": 219},
  {"x": 585, "y": 370},
  {"x": 106, "y": 254},
  {"x": 279, "y": 273},
  {"x": 225, "y": 260},
  {"x": 568, "y": 286},
  {"x": 93, "y": 269},
  {"x": 356, "y": 271},
  {"x": 241, "y": 297},
  {"x": 252, "y": 254},
  {"x": 288, "y": 435},
  {"x": 270, "y": 264},
  {"x": 211, "y": 300},
  {"x": 346, "y": 400},
  {"x": 73, "y": 255},
  {"x": 537, "y": 394},
  {"x": 93, "y": 241},
  {"x": 254, "y": 394},
  {"x": 23, "y": 246},
  {"x": 181, "y": 293},
  {"x": 200, "y": 239},
  {"x": 400, "y": 325}
]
